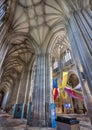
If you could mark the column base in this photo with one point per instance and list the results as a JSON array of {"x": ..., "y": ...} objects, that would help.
[{"x": 38, "y": 123}]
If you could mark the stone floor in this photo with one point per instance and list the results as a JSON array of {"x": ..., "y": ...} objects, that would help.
[{"x": 8, "y": 123}]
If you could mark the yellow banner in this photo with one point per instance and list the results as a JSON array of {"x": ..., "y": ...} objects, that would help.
[
  {"x": 62, "y": 84},
  {"x": 64, "y": 81}
]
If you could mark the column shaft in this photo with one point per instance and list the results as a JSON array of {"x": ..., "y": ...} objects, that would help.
[
  {"x": 48, "y": 87},
  {"x": 15, "y": 90},
  {"x": 38, "y": 99},
  {"x": 80, "y": 33},
  {"x": 5, "y": 100},
  {"x": 23, "y": 84},
  {"x": 42, "y": 95}
]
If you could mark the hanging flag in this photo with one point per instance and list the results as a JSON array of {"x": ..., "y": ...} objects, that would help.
[
  {"x": 59, "y": 83},
  {"x": 64, "y": 94},
  {"x": 58, "y": 92},
  {"x": 55, "y": 93},
  {"x": 55, "y": 85},
  {"x": 73, "y": 93},
  {"x": 62, "y": 84},
  {"x": 64, "y": 80}
]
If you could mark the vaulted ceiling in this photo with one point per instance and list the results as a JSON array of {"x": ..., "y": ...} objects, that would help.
[{"x": 34, "y": 25}]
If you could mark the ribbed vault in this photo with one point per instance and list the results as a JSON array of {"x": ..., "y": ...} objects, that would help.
[
  {"x": 17, "y": 57},
  {"x": 37, "y": 24}
]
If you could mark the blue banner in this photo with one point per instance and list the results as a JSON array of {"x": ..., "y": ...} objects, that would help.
[
  {"x": 55, "y": 84},
  {"x": 53, "y": 114}
]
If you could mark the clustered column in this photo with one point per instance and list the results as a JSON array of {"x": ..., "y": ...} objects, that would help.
[
  {"x": 48, "y": 87},
  {"x": 80, "y": 36},
  {"x": 15, "y": 91},
  {"x": 38, "y": 99},
  {"x": 42, "y": 91},
  {"x": 23, "y": 88}
]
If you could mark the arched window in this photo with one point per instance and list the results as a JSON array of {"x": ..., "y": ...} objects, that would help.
[
  {"x": 55, "y": 65},
  {"x": 67, "y": 56}
]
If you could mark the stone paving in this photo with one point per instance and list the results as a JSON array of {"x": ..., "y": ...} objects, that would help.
[{"x": 8, "y": 123}]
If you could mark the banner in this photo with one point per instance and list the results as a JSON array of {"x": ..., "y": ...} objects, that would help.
[
  {"x": 53, "y": 114},
  {"x": 64, "y": 94},
  {"x": 55, "y": 85},
  {"x": 55, "y": 93},
  {"x": 74, "y": 93},
  {"x": 64, "y": 80},
  {"x": 62, "y": 84}
]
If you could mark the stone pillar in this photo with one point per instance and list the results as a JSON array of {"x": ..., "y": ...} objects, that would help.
[
  {"x": 5, "y": 100},
  {"x": 38, "y": 99},
  {"x": 31, "y": 81},
  {"x": 23, "y": 84},
  {"x": 80, "y": 36},
  {"x": 41, "y": 91},
  {"x": 23, "y": 88},
  {"x": 27, "y": 86},
  {"x": 31, "y": 84},
  {"x": 48, "y": 87},
  {"x": 15, "y": 90},
  {"x": 4, "y": 41},
  {"x": 3, "y": 52}
]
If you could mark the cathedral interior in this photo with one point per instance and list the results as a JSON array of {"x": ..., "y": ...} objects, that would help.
[{"x": 45, "y": 58}]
